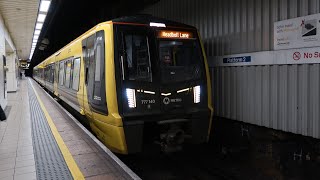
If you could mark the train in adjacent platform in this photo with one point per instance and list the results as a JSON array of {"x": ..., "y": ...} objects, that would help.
[{"x": 137, "y": 80}]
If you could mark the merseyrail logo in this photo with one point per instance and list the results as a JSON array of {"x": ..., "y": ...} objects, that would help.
[{"x": 166, "y": 100}]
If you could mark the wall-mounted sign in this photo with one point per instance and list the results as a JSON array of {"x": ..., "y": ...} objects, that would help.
[
  {"x": 175, "y": 34},
  {"x": 288, "y": 56},
  {"x": 297, "y": 33},
  {"x": 237, "y": 59}
]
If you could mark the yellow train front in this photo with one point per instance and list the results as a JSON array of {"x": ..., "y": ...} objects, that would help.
[{"x": 138, "y": 80}]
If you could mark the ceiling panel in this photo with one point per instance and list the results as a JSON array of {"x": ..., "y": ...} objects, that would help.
[{"x": 20, "y": 17}]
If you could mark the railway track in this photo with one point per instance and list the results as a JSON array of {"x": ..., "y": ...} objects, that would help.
[{"x": 192, "y": 163}]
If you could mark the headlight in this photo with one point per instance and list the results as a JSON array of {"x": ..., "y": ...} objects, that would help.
[
  {"x": 196, "y": 94},
  {"x": 131, "y": 95}
]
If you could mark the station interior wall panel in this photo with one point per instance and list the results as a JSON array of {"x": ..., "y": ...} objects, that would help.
[
  {"x": 12, "y": 82},
  {"x": 6, "y": 45},
  {"x": 233, "y": 26},
  {"x": 282, "y": 97}
]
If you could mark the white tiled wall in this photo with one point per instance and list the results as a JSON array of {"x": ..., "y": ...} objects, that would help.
[{"x": 5, "y": 36}]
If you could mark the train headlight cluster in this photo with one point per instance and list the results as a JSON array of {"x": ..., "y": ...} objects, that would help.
[
  {"x": 131, "y": 96},
  {"x": 196, "y": 94}
]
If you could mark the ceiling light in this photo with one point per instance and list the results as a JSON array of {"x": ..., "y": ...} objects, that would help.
[
  {"x": 34, "y": 40},
  {"x": 44, "y": 6},
  {"x": 33, "y": 44},
  {"x": 41, "y": 17},
  {"x": 39, "y": 25},
  {"x": 37, "y": 32},
  {"x": 35, "y": 36},
  {"x": 157, "y": 24}
]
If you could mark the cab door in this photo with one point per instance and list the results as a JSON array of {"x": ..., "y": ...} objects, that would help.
[
  {"x": 136, "y": 57},
  {"x": 94, "y": 60}
]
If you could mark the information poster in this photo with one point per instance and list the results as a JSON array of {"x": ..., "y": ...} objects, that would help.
[{"x": 297, "y": 33}]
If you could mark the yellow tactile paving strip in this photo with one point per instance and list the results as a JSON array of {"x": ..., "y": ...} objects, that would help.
[
  {"x": 89, "y": 154},
  {"x": 72, "y": 165}
]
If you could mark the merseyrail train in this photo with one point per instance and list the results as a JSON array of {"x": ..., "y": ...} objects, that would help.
[{"x": 138, "y": 80}]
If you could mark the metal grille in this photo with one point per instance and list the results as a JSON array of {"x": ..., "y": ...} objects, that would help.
[{"x": 50, "y": 163}]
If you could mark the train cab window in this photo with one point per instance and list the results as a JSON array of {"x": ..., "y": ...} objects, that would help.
[
  {"x": 68, "y": 73},
  {"x": 61, "y": 74},
  {"x": 181, "y": 58},
  {"x": 137, "y": 63},
  {"x": 76, "y": 74}
]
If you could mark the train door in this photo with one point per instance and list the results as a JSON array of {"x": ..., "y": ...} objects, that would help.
[
  {"x": 94, "y": 57},
  {"x": 140, "y": 90}
]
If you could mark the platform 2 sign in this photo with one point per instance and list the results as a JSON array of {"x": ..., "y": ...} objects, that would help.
[{"x": 240, "y": 59}]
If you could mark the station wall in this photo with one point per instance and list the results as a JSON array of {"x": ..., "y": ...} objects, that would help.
[
  {"x": 6, "y": 46},
  {"x": 233, "y": 26},
  {"x": 281, "y": 96}
]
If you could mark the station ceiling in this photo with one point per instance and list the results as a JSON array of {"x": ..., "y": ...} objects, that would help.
[
  {"x": 68, "y": 19},
  {"x": 19, "y": 17}
]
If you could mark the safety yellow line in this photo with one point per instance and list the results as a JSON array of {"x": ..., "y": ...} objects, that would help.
[{"x": 72, "y": 165}]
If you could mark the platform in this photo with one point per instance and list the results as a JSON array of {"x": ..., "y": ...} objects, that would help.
[{"x": 41, "y": 140}]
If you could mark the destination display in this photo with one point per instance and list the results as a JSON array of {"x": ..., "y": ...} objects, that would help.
[{"x": 175, "y": 34}]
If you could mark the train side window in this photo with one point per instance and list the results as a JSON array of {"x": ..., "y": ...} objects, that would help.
[
  {"x": 98, "y": 63},
  {"x": 76, "y": 74},
  {"x": 68, "y": 74},
  {"x": 61, "y": 74},
  {"x": 52, "y": 73}
]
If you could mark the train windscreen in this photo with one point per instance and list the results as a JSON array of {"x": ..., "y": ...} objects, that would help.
[{"x": 180, "y": 58}]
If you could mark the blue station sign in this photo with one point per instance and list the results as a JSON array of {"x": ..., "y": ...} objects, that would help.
[{"x": 237, "y": 59}]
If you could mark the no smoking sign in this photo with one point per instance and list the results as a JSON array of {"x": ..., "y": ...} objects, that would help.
[{"x": 296, "y": 56}]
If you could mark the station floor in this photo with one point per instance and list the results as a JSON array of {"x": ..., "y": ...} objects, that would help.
[{"x": 40, "y": 140}]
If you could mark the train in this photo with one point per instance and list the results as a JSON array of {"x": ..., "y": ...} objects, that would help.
[{"x": 137, "y": 80}]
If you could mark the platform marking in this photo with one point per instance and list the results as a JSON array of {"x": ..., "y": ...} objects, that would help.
[
  {"x": 99, "y": 143},
  {"x": 72, "y": 165}
]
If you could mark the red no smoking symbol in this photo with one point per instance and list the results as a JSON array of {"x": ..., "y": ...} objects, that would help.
[{"x": 296, "y": 56}]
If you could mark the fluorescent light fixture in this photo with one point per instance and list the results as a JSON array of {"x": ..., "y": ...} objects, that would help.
[
  {"x": 44, "y": 6},
  {"x": 157, "y": 24},
  {"x": 131, "y": 95},
  {"x": 35, "y": 36},
  {"x": 39, "y": 25},
  {"x": 33, "y": 44},
  {"x": 196, "y": 94},
  {"x": 37, "y": 32},
  {"x": 41, "y": 17},
  {"x": 34, "y": 40}
]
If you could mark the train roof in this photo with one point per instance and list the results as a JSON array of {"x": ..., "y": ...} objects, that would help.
[
  {"x": 147, "y": 19},
  {"x": 137, "y": 19}
]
